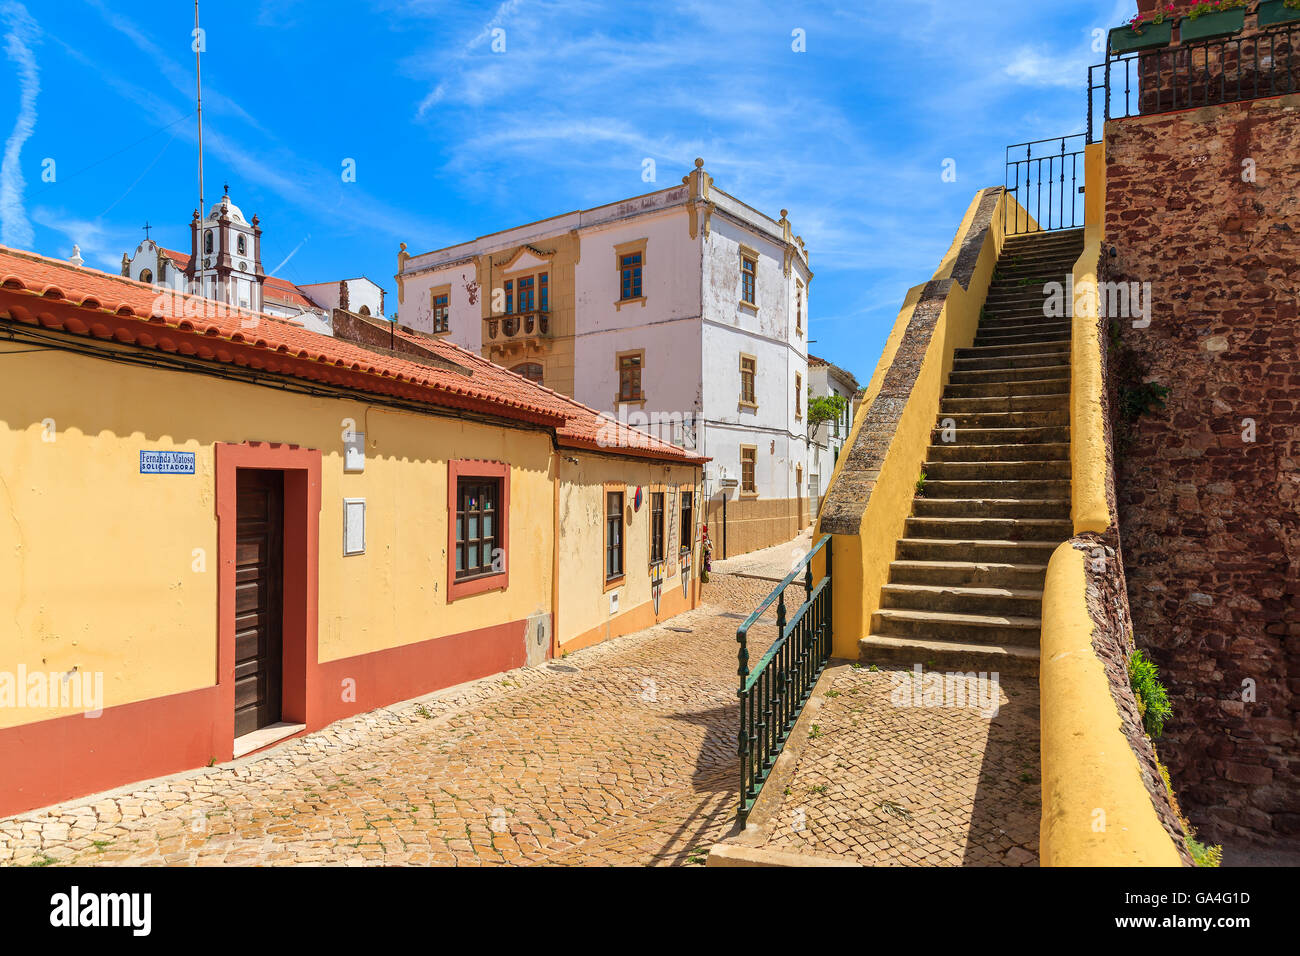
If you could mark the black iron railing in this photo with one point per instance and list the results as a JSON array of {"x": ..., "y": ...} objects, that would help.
[
  {"x": 1045, "y": 178},
  {"x": 773, "y": 694},
  {"x": 1195, "y": 73}
]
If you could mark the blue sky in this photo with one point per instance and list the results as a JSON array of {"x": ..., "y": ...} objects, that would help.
[{"x": 452, "y": 140}]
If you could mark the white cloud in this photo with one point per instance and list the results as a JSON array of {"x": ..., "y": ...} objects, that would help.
[{"x": 21, "y": 35}]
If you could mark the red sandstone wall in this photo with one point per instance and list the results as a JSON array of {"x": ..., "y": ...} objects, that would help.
[{"x": 1210, "y": 523}]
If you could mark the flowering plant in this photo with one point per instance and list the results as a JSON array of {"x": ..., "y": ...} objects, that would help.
[
  {"x": 1205, "y": 7},
  {"x": 1160, "y": 16}
]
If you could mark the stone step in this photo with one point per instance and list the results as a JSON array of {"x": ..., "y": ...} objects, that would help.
[
  {"x": 948, "y": 655},
  {"x": 984, "y": 404},
  {"x": 1032, "y": 435},
  {"x": 974, "y": 452},
  {"x": 1014, "y": 389},
  {"x": 1013, "y": 373},
  {"x": 1054, "y": 354},
  {"x": 957, "y": 549},
  {"x": 989, "y": 529},
  {"x": 1018, "y": 488},
  {"x": 967, "y": 628},
  {"x": 1054, "y": 332},
  {"x": 1058, "y": 268},
  {"x": 952, "y": 599},
  {"x": 996, "y": 470},
  {"x": 997, "y": 421},
  {"x": 1042, "y": 239},
  {"x": 1058, "y": 508},
  {"x": 1057, "y": 346},
  {"x": 969, "y": 573}
]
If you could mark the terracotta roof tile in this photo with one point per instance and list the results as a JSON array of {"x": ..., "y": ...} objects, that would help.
[{"x": 36, "y": 290}]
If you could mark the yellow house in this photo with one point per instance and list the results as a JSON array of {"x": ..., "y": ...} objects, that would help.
[{"x": 221, "y": 529}]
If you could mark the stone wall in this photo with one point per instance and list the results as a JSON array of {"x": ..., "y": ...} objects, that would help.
[{"x": 1205, "y": 205}]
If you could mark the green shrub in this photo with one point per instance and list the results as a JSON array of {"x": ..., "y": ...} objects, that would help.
[{"x": 1152, "y": 698}]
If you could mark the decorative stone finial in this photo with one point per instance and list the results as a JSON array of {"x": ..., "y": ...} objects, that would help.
[
  {"x": 699, "y": 162},
  {"x": 76, "y": 259},
  {"x": 784, "y": 213}
]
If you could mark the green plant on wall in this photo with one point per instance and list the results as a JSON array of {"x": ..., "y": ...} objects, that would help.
[
  {"x": 1152, "y": 698},
  {"x": 1202, "y": 854},
  {"x": 1133, "y": 396},
  {"x": 920, "y": 486}
]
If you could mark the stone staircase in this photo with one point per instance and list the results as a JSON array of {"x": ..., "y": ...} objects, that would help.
[{"x": 965, "y": 592}]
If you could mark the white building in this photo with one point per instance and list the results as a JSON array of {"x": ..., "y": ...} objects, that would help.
[
  {"x": 229, "y": 270},
  {"x": 827, "y": 438},
  {"x": 683, "y": 311}
]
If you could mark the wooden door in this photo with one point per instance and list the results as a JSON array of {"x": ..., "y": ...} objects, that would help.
[{"x": 259, "y": 584}]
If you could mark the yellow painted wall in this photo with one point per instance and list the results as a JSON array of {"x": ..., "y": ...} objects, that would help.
[
  {"x": 1096, "y": 809},
  {"x": 583, "y": 600},
  {"x": 864, "y": 559},
  {"x": 1089, "y": 508},
  {"x": 96, "y": 566}
]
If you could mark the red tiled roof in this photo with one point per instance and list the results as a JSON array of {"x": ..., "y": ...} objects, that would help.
[
  {"x": 182, "y": 259},
  {"x": 38, "y": 291},
  {"x": 282, "y": 290},
  {"x": 584, "y": 426}
]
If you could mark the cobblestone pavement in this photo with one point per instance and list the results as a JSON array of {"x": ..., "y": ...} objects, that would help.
[
  {"x": 914, "y": 785},
  {"x": 774, "y": 562},
  {"x": 620, "y": 754}
]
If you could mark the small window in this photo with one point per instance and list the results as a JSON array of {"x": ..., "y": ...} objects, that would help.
[
  {"x": 613, "y": 535},
  {"x": 687, "y": 537},
  {"x": 207, "y": 242},
  {"x": 146, "y": 275},
  {"x": 527, "y": 287},
  {"x": 747, "y": 368},
  {"x": 798, "y": 395},
  {"x": 440, "y": 311},
  {"x": 656, "y": 527},
  {"x": 365, "y": 310},
  {"x": 241, "y": 245},
  {"x": 510, "y": 296},
  {"x": 529, "y": 370},
  {"x": 748, "y": 272},
  {"x": 630, "y": 269},
  {"x": 629, "y": 377},
  {"x": 798, "y": 308},
  {"x": 477, "y": 508},
  {"x": 748, "y": 463},
  {"x": 543, "y": 293}
]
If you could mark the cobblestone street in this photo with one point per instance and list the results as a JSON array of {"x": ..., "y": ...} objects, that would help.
[
  {"x": 883, "y": 784},
  {"x": 620, "y": 754}
]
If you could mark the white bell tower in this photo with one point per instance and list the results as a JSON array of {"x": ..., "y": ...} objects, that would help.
[{"x": 226, "y": 261}]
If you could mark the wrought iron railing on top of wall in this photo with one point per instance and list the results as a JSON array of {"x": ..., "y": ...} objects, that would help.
[
  {"x": 1195, "y": 73},
  {"x": 1045, "y": 178}
]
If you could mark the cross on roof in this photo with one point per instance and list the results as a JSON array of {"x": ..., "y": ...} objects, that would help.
[
  {"x": 147, "y": 227},
  {"x": 227, "y": 188}
]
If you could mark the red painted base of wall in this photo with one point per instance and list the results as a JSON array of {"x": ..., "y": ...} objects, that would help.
[{"x": 68, "y": 757}]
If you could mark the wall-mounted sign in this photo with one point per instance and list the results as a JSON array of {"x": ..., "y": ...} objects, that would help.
[
  {"x": 354, "y": 526},
  {"x": 166, "y": 462},
  {"x": 636, "y": 499}
]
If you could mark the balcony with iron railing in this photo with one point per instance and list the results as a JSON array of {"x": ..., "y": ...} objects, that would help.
[{"x": 1260, "y": 60}]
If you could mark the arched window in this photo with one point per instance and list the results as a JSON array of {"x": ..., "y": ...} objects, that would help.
[
  {"x": 365, "y": 310},
  {"x": 529, "y": 370},
  {"x": 146, "y": 275},
  {"x": 240, "y": 245},
  {"x": 207, "y": 242}
]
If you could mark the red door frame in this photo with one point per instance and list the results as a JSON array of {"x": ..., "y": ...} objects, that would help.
[{"x": 302, "y": 500}]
